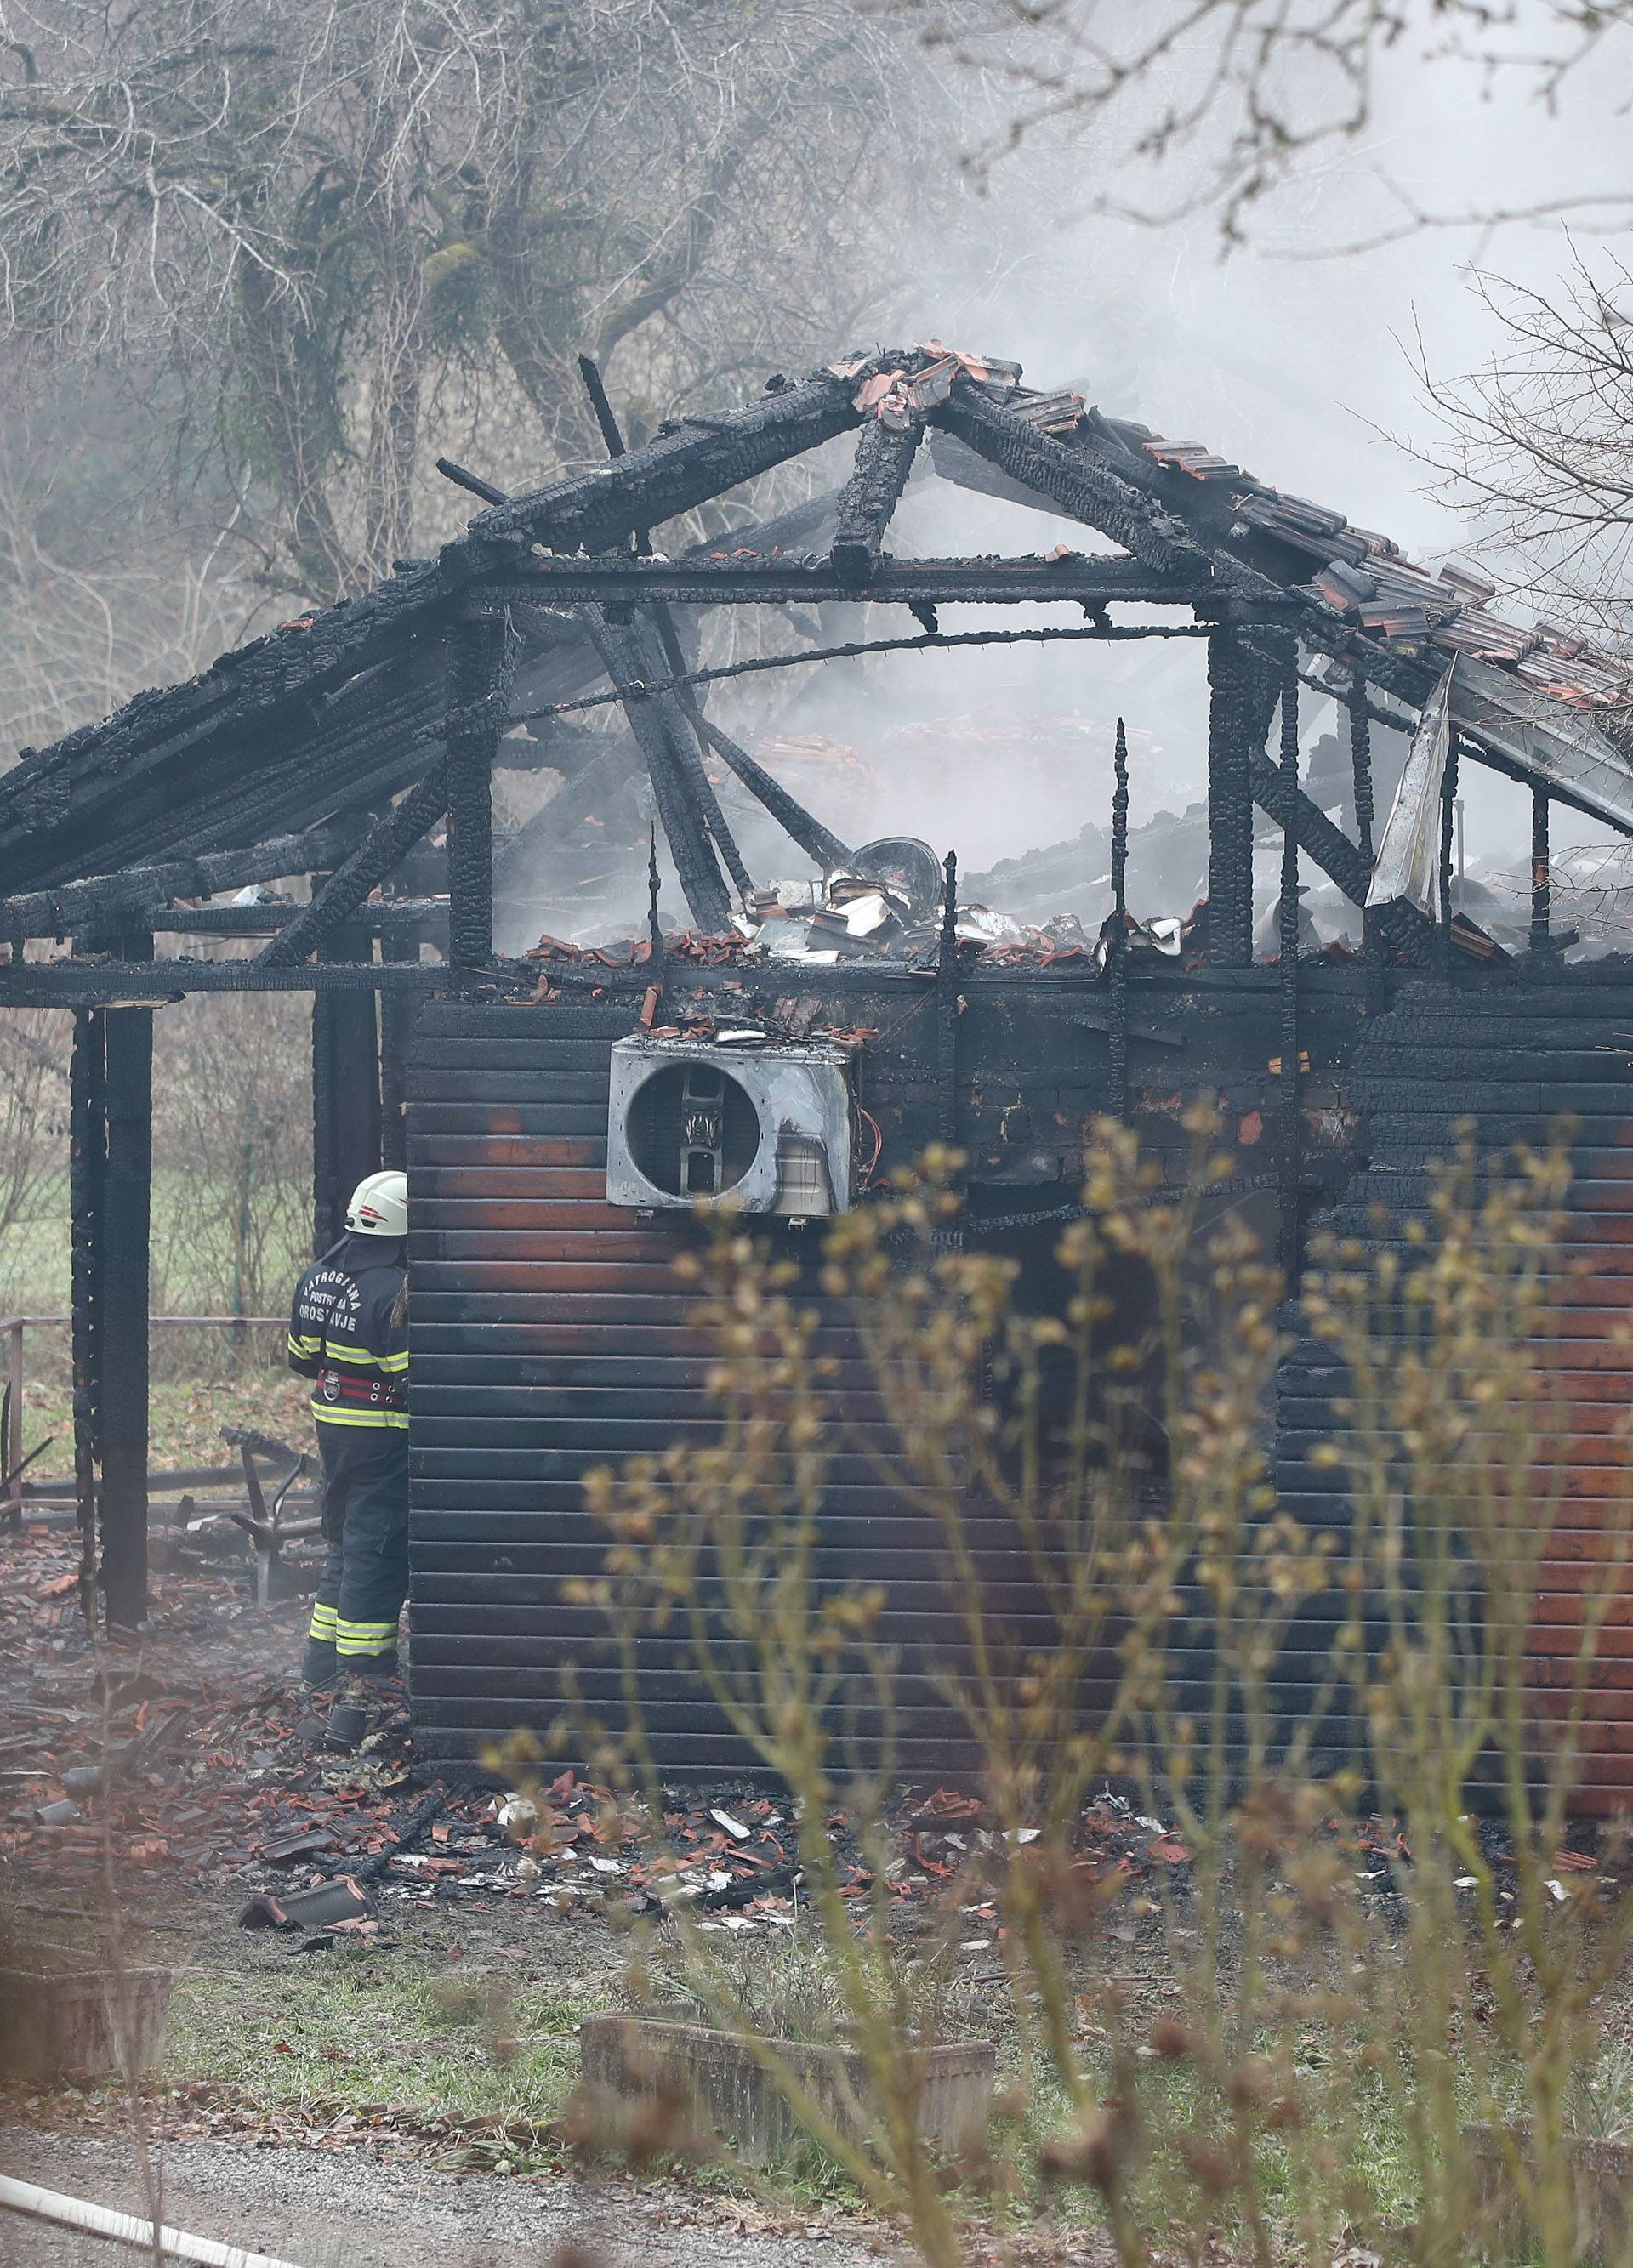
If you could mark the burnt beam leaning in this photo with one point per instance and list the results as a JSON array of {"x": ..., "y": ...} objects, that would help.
[
  {"x": 817, "y": 841},
  {"x": 1078, "y": 483},
  {"x": 374, "y": 857},
  {"x": 601, "y": 510},
  {"x": 670, "y": 755}
]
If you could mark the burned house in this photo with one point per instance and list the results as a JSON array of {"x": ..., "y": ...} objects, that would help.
[{"x": 566, "y": 1118}]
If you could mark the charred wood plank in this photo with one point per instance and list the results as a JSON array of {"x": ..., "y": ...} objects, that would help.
[
  {"x": 751, "y": 575},
  {"x": 883, "y": 460},
  {"x": 101, "y": 984},
  {"x": 388, "y": 917}
]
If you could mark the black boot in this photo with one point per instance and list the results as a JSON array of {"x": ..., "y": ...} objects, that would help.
[
  {"x": 372, "y": 1669},
  {"x": 319, "y": 1666}
]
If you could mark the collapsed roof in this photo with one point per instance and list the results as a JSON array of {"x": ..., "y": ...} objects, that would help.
[{"x": 347, "y": 707}]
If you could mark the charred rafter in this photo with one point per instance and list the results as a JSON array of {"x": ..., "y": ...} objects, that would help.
[
  {"x": 885, "y": 457},
  {"x": 1077, "y": 483}
]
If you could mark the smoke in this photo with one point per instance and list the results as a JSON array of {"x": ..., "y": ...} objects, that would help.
[{"x": 1293, "y": 357}]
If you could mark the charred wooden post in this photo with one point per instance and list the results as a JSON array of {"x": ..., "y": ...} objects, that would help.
[
  {"x": 666, "y": 749},
  {"x": 1229, "y": 805},
  {"x": 1448, "y": 825},
  {"x": 1361, "y": 764},
  {"x": 345, "y": 1091},
  {"x": 947, "y": 1006},
  {"x": 1541, "y": 874},
  {"x": 399, "y": 1011},
  {"x": 655, "y": 930},
  {"x": 124, "y": 1303},
  {"x": 1290, "y": 1161},
  {"x": 87, "y": 1176},
  {"x": 883, "y": 460},
  {"x": 1119, "y": 926},
  {"x": 476, "y": 674}
]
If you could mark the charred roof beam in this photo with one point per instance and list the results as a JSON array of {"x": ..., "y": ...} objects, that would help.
[
  {"x": 1077, "y": 482},
  {"x": 596, "y": 511},
  {"x": 753, "y": 577},
  {"x": 884, "y": 456},
  {"x": 54, "y": 913}
]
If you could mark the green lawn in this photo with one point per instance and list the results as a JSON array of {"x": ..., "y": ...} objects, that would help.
[{"x": 361, "y": 2028}]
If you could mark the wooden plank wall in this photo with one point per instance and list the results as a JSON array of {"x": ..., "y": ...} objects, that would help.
[{"x": 1514, "y": 1058}]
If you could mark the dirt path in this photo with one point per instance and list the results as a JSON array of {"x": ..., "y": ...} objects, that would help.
[{"x": 338, "y": 2209}]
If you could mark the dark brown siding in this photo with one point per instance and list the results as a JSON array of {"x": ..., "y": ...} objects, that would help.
[{"x": 1515, "y": 1058}]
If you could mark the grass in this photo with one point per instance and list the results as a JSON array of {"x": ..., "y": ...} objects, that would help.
[
  {"x": 361, "y": 2031},
  {"x": 34, "y": 1253},
  {"x": 200, "y": 1381},
  {"x": 185, "y": 1416}
]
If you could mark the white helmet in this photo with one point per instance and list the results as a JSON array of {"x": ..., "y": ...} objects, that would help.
[{"x": 378, "y": 1206}]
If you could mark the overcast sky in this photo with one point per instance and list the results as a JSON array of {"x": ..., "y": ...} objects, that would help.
[{"x": 1291, "y": 357}]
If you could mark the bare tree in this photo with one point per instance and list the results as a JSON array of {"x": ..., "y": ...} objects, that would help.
[
  {"x": 1537, "y": 443},
  {"x": 33, "y": 1111},
  {"x": 309, "y": 230},
  {"x": 1215, "y": 105}
]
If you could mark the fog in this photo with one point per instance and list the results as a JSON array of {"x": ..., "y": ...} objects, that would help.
[{"x": 1294, "y": 357}]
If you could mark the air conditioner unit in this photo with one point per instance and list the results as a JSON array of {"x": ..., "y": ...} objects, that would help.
[{"x": 770, "y": 1128}]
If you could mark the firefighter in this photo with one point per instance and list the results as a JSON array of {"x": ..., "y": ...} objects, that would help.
[{"x": 348, "y": 1332}]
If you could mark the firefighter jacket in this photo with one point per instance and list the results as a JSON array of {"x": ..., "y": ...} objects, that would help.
[{"x": 348, "y": 1332}]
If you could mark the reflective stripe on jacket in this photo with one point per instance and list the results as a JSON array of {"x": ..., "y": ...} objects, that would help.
[{"x": 348, "y": 1332}]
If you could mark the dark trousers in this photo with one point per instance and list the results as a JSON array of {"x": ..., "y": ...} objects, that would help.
[{"x": 365, "y": 1510}]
